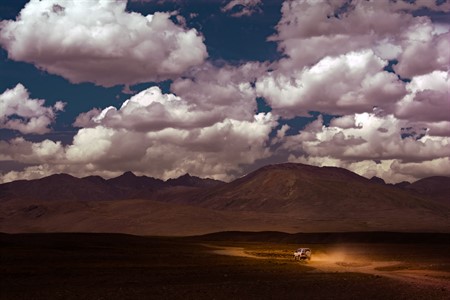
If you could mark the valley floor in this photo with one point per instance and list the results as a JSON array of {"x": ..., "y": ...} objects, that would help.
[{"x": 117, "y": 266}]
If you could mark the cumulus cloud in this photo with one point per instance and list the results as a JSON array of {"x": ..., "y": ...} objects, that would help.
[
  {"x": 149, "y": 110},
  {"x": 352, "y": 82},
  {"x": 311, "y": 30},
  {"x": 101, "y": 42},
  {"x": 240, "y": 8},
  {"x": 19, "y": 149},
  {"x": 205, "y": 96},
  {"x": 226, "y": 91},
  {"x": 336, "y": 54},
  {"x": 371, "y": 142},
  {"x": 172, "y": 135},
  {"x": 19, "y": 112},
  {"x": 135, "y": 137},
  {"x": 340, "y": 59},
  {"x": 391, "y": 170},
  {"x": 428, "y": 98},
  {"x": 423, "y": 51},
  {"x": 215, "y": 150}
]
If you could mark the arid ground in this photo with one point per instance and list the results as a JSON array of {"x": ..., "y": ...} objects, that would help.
[{"x": 115, "y": 266}]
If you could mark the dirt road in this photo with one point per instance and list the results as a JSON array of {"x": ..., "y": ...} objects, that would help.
[{"x": 337, "y": 263}]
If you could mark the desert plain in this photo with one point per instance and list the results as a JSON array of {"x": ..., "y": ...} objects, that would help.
[{"x": 232, "y": 265}]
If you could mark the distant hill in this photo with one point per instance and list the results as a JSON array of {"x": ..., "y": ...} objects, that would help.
[
  {"x": 297, "y": 187},
  {"x": 326, "y": 195},
  {"x": 58, "y": 187},
  {"x": 436, "y": 187},
  {"x": 285, "y": 197},
  {"x": 95, "y": 188}
]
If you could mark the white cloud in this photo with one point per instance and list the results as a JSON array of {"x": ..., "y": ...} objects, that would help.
[
  {"x": 215, "y": 151},
  {"x": 34, "y": 172},
  {"x": 173, "y": 135},
  {"x": 418, "y": 170},
  {"x": 150, "y": 110},
  {"x": 135, "y": 138},
  {"x": 391, "y": 170},
  {"x": 428, "y": 98},
  {"x": 100, "y": 42},
  {"x": 372, "y": 146},
  {"x": 33, "y": 153},
  {"x": 225, "y": 91},
  {"x": 336, "y": 54},
  {"x": 423, "y": 51},
  {"x": 352, "y": 82},
  {"x": 205, "y": 96},
  {"x": 311, "y": 30},
  {"x": 19, "y": 112},
  {"x": 239, "y": 8}
]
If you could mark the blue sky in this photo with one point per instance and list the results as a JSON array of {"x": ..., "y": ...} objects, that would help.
[{"x": 219, "y": 88}]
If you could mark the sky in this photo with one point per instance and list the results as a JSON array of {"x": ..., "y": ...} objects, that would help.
[{"x": 220, "y": 88}]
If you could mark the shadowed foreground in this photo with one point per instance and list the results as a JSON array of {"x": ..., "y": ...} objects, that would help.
[{"x": 115, "y": 266}]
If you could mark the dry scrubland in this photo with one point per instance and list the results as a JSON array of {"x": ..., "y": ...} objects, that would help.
[{"x": 114, "y": 266}]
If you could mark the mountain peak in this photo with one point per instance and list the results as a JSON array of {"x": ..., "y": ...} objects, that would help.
[
  {"x": 377, "y": 180},
  {"x": 187, "y": 175},
  {"x": 193, "y": 181},
  {"x": 128, "y": 174}
]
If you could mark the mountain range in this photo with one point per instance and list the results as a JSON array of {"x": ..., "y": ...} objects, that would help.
[{"x": 285, "y": 197}]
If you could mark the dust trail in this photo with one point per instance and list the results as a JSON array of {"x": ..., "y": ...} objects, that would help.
[
  {"x": 339, "y": 261},
  {"x": 232, "y": 251},
  {"x": 437, "y": 279}
]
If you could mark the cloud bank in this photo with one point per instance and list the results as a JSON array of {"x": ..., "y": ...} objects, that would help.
[
  {"x": 378, "y": 67},
  {"x": 157, "y": 134},
  {"x": 382, "y": 70}
]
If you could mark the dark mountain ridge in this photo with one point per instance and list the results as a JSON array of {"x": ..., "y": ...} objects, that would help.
[
  {"x": 193, "y": 181},
  {"x": 319, "y": 193},
  {"x": 95, "y": 188},
  {"x": 57, "y": 187},
  {"x": 129, "y": 180},
  {"x": 286, "y": 197},
  {"x": 281, "y": 181}
]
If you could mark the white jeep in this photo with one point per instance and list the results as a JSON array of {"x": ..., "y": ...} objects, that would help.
[{"x": 302, "y": 254}]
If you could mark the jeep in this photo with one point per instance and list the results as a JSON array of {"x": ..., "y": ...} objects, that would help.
[{"x": 302, "y": 254}]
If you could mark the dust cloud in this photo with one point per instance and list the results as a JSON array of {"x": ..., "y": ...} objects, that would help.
[{"x": 355, "y": 260}]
